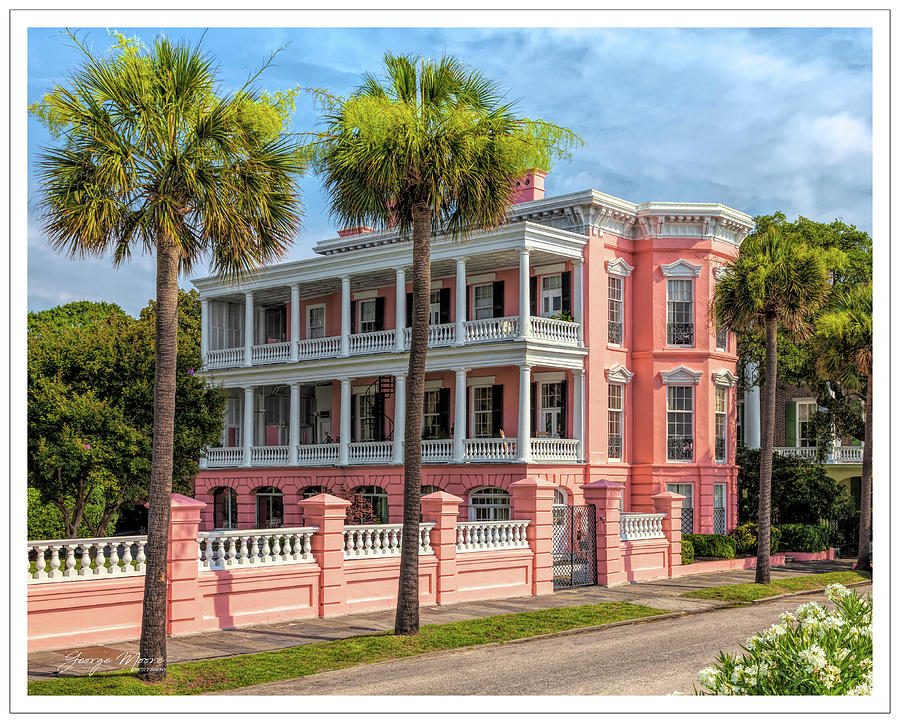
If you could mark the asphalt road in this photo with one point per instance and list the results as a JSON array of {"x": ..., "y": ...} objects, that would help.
[{"x": 654, "y": 658}]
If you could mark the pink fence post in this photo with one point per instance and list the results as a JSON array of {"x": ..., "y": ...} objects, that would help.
[
  {"x": 532, "y": 499},
  {"x": 670, "y": 503},
  {"x": 442, "y": 509},
  {"x": 606, "y": 496},
  {"x": 327, "y": 512},
  {"x": 182, "y": 568}
]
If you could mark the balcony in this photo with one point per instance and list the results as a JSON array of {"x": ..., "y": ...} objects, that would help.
[
  {"x": 837, "y": 455},
  {"x": 679, "y": 334},
  {"x": 680, "y": 449}
]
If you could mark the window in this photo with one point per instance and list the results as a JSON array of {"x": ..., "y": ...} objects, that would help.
[
  {"x": 313, "y": 490},
  {"x": 226, "y": 325},
  {"x": 428, "y": 489},
  {"x": 434, "y": 307},
  {"x": 615, "y": 407},
  {"x": 721, "y": 422},
  {"x": 721, "y": 338},
  {"x": 277, "y": 416},
  {"x": 552, "y": 406},
  {"x": 687, "y": 505},
  {"x": 376, "y": 497},
  {"x": 739, "y": 423},
  {"x": 559, "y": 497},
  {"x": 719, "y": 508},
  {"x": 804, "y": 424},
  {"x": 551, "y": 295},
  {"x": 680, "y": 424},
  {"x": 367, "y": 424},
  {"x": 482, "y": 411},
  {"x": 234, "y": 409},
  {"x": 367, "y": 315},
  {"x": 489, "y": 503},
  {"x": 225, "y": 509},
  {"x": 616, "y": 317},
  {"x": 315, "y": 322},
  {"x": 680, "y": 312},
  {"x": 484, "y": 301},
  {"x": 275, "y": 325},
  {"x": 432, "y": 415},
  {"x": 269, "y": 507}
]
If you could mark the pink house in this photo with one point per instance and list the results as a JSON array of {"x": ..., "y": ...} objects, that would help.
[{"x": 573, "y": 343}]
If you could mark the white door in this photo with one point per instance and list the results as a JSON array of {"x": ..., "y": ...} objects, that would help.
[{"x": 551, "y": 295}]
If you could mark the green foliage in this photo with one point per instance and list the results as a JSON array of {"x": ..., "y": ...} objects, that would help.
[
  {"x": 797, "y": 537},
  {"x": 750, "y": 591},
  {"x": 745, "y": 538},
  {"x": 45, "y": 522},
  {"x": 720, "y": 546},
  {"x": 812, "y": 651},
  {"x": 687, "y": 551},
  {"x": 90, "y": 410},
  {"x": 801, "y": 490}
]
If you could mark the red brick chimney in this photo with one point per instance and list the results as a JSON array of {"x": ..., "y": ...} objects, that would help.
[{"x": 530, "y": 187}]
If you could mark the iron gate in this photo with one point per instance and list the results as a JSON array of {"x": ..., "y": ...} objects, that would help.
[{"x": 574, "y": 546}]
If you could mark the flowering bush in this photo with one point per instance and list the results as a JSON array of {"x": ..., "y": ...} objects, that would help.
[{"x": 812, "y": 651}]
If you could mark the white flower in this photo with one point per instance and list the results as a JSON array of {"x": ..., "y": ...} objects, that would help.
[
  {"x": 836, "y": 591},
  {"x": 708, "y": 677},
  {"x": 814, "y": 657}
]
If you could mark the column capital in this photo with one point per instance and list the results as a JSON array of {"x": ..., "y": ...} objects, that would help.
[
  {"x": 462, "y": 370},
  {"x": 296, "y": 385},
  {"x": 401, "y": 269},
  {"x": 248, "y": 294},
  {"x": 401, "y": 375},
  {"x": 579, "y": 261},
  {"x": 345, "y": 279},
  {"x": 524, "y": 251},
  {"x": 578, "y": 372},
  {"x": 461, "y": 260},
  {"x": 248, "y": 387},
  {"x": 526, "y": 366},
  {"x": 345, "y": 380}
]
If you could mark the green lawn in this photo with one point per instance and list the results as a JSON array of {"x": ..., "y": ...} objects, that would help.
[
  {"x": 242, "y": 670},
  {"x": 750, "y": 591}
]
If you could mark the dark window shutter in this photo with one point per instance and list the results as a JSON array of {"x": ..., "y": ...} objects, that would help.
[
  {"x": 467, "y": 430},
  {"x": 498, "y": 299},
  {"x": 497, "y": 410},
  {"x": 790, "y": 424},
  {"x": 567, "y": 291},
  {"x": 469, "y": 313},
  {"x": 352, "y": 317},
  {"x": 353, "y": 402},
  {"x": 379, "y": 411},
  {"x": 445, "y": 306},
  {"x": 532, "y": 293},
  {"x": 564, "y": 409},
  {"x": 444, "y": 410},
  {"x": 409, "y": 309},
  {"x": 534, "y": 405},
  {"x": 379, "y": 313}
]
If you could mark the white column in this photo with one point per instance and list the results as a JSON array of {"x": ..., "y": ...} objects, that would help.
[
  {"x": 524, "y": 290},
  {"x": 578, "y": 300},
  {"x": 399, "y": 418},
  {"x": 460, "y": 302},
  {"x": 294, "y": 423},
  {"x": 578, "y": 411},
  {"x": 525, "y": 412},
  {"x": 295, "y": 322},
  {"x": 249, "y": 318},
  {"x": 204, "y": 330},
  {"x": 459, "y": 416},
  {"x": 751, "y": 409},
  {"x": 401, "y": 309},
  {"x": 345, "y": 316},
  {"x": 344, "y": 446},
  {"x": 249, "y": 426}
]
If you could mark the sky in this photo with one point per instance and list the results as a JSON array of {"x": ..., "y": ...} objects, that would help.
[{"x": 760, "y": 119}]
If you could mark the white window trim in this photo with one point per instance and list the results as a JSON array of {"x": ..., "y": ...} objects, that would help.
[
  {"x": 473, "y": 411},
  {"x": 549, "y": 377},
  {"x": 549, "y": 269},
  {"x": 716, "y": 414},
  {"x": 482, "y": 279},
  {"x": 540, "y": 294},
  {"x": 693, "y": 322},
  {"x": 475, "y": 299},
  {"x": 680, "y": 376},
  {"x": 621, "y": 412},
  {"x": 309, "y": 310},
  {"x": 681, "y": 269},
  {"x": 540, "y": 402},
  {"x": 724, "y": 504},
  {"x": 619, "y": 267},
  {"x": 364, "y": 295},
  {"x": 693, "y": 414},
  {"x": 480, "y": 381},
  {"x": 619, "y": 374},
  {"x": 433, "y": 385},
  {"x": 806, "y": 401},
  {"x": 724, "y": 378}
]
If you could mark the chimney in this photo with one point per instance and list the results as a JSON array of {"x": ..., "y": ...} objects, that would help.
[
  {"x": 356, "y": 230},
  {"x": 529, "y": 187}
]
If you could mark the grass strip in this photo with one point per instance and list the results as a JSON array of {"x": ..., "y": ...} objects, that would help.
[
  {"x": 747, "y": 592},
  {"x": 238, "y": 671}
]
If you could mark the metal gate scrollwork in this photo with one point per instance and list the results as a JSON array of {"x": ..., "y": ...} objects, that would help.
[{"x": 574, "y": 546}]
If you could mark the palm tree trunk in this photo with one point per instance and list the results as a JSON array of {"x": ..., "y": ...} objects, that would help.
[
  {"x": 864, "y": 555},
  {"x": 153, "y": 623},
  {"x": 407, "y": 620},
  {"x": 767, "y": 444}
]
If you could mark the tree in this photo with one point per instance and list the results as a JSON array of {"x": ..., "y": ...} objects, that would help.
[
  {"x": 151, "y": 153},
  {"x": 430, "y": 147},
  {"x": 843, "y": 348},
  {"x": 775, "y": 283}
]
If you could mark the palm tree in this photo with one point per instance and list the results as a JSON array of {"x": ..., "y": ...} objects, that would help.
[
  {"x": 843, "y": 345},
  {"x": 151, "y": 154},
  {"x": 431, "y": 147},
  {"x": 776, "y": 282}
]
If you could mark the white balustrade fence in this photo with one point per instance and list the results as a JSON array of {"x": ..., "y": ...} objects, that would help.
[
  {"x": 365, "y": 452},
  {"x": 269, "y": 455},
  {"x": 86, "y": 558},
  {"x": 546, "y": 448},
  {"x": 437, "y": 450},
  {"x": 230, "y": 548},
  {"x": 318, "y": 453},
  {"x": 224, "y": 456},
  {"x": 506, "y": 327},
  {"x": 372, "y": 341},
  {"x": 323, "y": 348},
  {"x": 641, "y": 526},
  {"x": 554, "y": 330},
  {"x": 438, "y": 335},
  {"x": 491, "y": 450},
  {"x": 494, "y": 535},
  {"x": 362, "y": 541},
  {"x": 220, "y": 358},
  {"x": 847, "y": 455},
  {"x": 270, "y": 353},
  {"x": 805, "y": 452}
]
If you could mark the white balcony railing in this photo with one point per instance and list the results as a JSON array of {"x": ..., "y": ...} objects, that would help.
[
  {"x": 222, "y": 358},
  {"x": 362, "y": 541},
  {"x": 224, "y": 456},
  {"x": 231, "y": 548},
  {"x": 91, "y": 558},
  {"x": 805, "y": 452},
  {"x": 481, "y": 330},
  {"x": 554, "y": 330},
  {"x": 837, "y": 455},
  {"x": 365, "y": 452},
  {"x": 634, "y": 526},
  {"x": 313, "y": 454},
  {"x": 848, "y": 455},
  {"x": 438, "y": 335},
  {"x": 491, "y": 450},
  {"x": 371, "y": 342},
  {"x": 437, "y": 450},
  {"x": 269, "y": 456},
  {"x": 271, "y": 353},
  {"x": 324, "y": 348},
  {"x": 549, "y": 449},
  {"x": 494, "y": 535}
]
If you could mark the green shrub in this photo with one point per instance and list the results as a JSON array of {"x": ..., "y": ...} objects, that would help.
[
  {"x": 798, "y": 537},
  {"x": 744, "y": 537},
  {"x": 720, "y": 546},
  {"x": 687, "y": 552},
  {"x": 45, "y": 521}
]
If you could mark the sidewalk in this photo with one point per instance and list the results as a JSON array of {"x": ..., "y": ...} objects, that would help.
[{"x": 661, "y": 594}]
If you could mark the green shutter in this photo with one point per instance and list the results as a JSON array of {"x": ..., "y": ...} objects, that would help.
[{"x": 790, "y": 424}]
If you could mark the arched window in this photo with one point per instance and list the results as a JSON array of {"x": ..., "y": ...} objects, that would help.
[
  {"x": 312, "y": 491},
  {"x": 269, "y": 507},
  {"x": 560, "y": 497},
  {"x": 376, "y": 497},
  {"x": 489, "y": 503},
  {"x": 428, "y": 489},
  {"x": 225, "y": 509}
]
